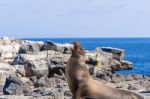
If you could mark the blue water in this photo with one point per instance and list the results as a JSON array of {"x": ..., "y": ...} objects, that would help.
[{"x": 137, "y": 50}]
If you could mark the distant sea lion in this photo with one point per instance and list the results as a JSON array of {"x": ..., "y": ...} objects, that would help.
[{"x": 82, "y": 86}]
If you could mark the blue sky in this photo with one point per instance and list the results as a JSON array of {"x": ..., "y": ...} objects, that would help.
[{"x": 75, "y": 18}]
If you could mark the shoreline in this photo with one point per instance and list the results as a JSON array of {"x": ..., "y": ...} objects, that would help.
[{"x": 26, "y": 65}]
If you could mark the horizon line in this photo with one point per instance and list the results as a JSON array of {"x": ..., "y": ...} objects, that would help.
[{"x": 75, "y": 37}]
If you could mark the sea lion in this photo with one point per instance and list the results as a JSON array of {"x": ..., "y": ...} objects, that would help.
[
  {"x": 74, "y": 64},
  {"x": 93, "y": 89},
  {"x": 82, "y": 86}
]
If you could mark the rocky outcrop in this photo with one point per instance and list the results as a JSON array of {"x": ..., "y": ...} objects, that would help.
[
  {"x": 108, "y": 58},
  {"x": 35, "y": 70}
]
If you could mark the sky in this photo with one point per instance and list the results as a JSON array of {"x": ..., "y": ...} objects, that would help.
[{"x": 74, "y": 18}]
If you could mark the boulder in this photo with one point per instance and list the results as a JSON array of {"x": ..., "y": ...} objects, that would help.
[
  {"x": 22, "y": 59},
  {"x": 99, "y": 58},
  {"x": 30, "y": 48},
  {"x": 14, "y": 48},
  {"x": 14, "y": 86},
  {"x": 5, "y": 71},
  {"x": 8, "y": 52},
  {"x": 63, "y": 48},
  {"x": 53, "y": 56},
  {"x": 56, "y": 70},
  {"x": 36, "y": 68},
  {"x": 118, "y": 54},
  {"x": 57, "y": 61}
]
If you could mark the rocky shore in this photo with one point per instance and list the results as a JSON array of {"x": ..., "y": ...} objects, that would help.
[{"x": 35, "y": 70}]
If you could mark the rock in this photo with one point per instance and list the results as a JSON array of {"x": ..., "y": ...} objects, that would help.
[
  {"x": 20, "y": 69},
  {"x": 126, "y": 64},
  {"x": 36, "y": 68},
  {"x": 49, "y": 45},
  {"x": 14, "y": 86},
  {"x": 68, "y": 93},
  {"x": 1, "y": 89},
  {"x": 101, "y": 58},
  {"x": 41, "y": 92},
  {"x": 100, "y": 73},
  {"x": 22, "y": 59},
  {"x": 56, "y": 70},
  {"x": 3, "y": 76},
  {"x": 30, "y": 48},
  {"x": 43, "y": 82},
  {"x": 33, "y": 79},
  {"x": 130, "y": 87},
  {"x": 118, "y": 54},
  {"x": 137, "y": 77},
  {"x": 5, "y": 71},
  {"x": 55, "y": 57},
  {"x": 8, "y": 52},
  {"x": 91, "y": 61},
  {"x": 16, "y": 97},
  {"x": 57, "y": 60},
  {"x": 128, "y": 78},
  {"x": 58, "y": 94},
  {"x": 63, "y": 48},
  {"x": 6, "y": 67},
  {"x": 117, "y": 78}
]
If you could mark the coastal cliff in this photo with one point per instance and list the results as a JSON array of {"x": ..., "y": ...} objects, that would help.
[{"x": 31, "y": 69}]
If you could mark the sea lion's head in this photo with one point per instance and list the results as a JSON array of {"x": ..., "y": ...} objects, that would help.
[{"x": 77, "y": 50}]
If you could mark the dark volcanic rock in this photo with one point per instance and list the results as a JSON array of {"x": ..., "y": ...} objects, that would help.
[{"x": 14, "y": 86}]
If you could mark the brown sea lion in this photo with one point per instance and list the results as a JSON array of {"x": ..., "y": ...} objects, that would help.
[
  {"x": 93, "y": 89},
  {"x": 74, "y": 64},
  {"x": 82, "y": 86}
]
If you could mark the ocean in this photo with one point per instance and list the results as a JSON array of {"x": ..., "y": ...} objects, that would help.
[{"x": 137, "y": 50}]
